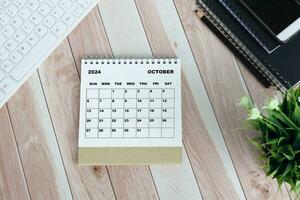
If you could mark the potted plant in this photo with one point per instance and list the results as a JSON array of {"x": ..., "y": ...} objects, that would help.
[{"x": 278, "y": 126}]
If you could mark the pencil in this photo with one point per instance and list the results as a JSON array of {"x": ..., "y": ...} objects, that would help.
[{"x": 199, "y": 13}]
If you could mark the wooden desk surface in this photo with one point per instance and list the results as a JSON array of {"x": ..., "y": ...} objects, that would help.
[{"x": 39, "y": 125}]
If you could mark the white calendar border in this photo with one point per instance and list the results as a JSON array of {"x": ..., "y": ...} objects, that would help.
[{"x": 119, "y": 72}]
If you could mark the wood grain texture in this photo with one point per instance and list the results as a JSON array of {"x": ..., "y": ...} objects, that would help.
[
  {"x": 222, "y": 187},
  {"x": 12, "y": 180},
  {"x": 61, "y": 85},
  {"x": 133, "y": 182},
  {"x": 127, "y": 177},
  {"x": 221, "y": 77},
  {"x": 89, "y": 39},
  {"x": 256, "y": 90},
  {"x": 37, "y": 144},
  {"x": 176, "y": 181},
  {"x": 174, "y": 31},
  {"x": 38, "y": 157},
  {"x": 114, "y": 24}
]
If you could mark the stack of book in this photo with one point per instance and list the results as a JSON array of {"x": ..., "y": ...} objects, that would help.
[{"x": 278, "y": 63}]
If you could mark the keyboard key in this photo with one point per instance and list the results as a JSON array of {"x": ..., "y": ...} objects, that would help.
[
  {"x": 74, "y": 6},
  {"x": 4, "y": 18},
  {"x": 27, "y": 27},
  {"x": 57, "y": 12},
  {"x": 17, "y": 22},
  {"x": 1, "y": 96},
  {"x": 33, "y": 4},
  {"x": 24, "y": 48},
  {"x": 33, "y": 39},
  {"x": 7, "y": 84},
  {"x": 2, "y": 39},
  {"x": 20, "y": 3},
  {"x": 19, "y": 36},
  {"x": 41, "y": 30},
  {"x": 68, "y": 19},
  {"x": 15, "y": 57},
  {"x": 59, "y": 28},
  {"x": 3, "y": 53},
  {"x": 7, "y": 66},
  {"x": 10, "y": 45},
  {"x": 52, "y": 3},
  {"x": 25, "y": 13},
  {"x": 5, "y": 2},
  {"x": 49, "y": 21},
  {"x": 65, "y": 4},
  {"x": 11, "y": 10},
  {"x": 36, "y": 18},
  {"x": 28, "y": 30},
  {"x": 78, "y": 11},
  {"x": 44, "y": 9},
  {"x": 2, "y": 75},
  {"x": 33, "y": 56},
  {"x": 8, "y": 31},
  {"x": 85, "y": 3}
]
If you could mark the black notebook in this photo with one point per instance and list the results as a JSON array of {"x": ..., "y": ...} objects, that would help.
[{"x": 277, "y": 63}]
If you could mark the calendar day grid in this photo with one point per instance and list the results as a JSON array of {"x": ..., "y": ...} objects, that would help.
[{"x": 110, "y": 111}]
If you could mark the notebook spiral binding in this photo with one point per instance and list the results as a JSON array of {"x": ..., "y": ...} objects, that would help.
[
  {"x": 118, "y": 61},
  {"x": 246, "y": 25},
  {"x": 259, "y": 66}
]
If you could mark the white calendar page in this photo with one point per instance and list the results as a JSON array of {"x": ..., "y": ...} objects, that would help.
[{"x": 130, "y": 103}]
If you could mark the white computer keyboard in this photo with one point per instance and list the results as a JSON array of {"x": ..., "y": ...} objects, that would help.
[{"x": 29, "y": 31}]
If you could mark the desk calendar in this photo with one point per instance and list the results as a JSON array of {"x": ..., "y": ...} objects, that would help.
[{"x": 130, "y": 111}]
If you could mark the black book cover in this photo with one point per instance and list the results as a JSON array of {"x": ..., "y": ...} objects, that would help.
[
  {"x": 281, "y": 67},
  {"x": 258, "y": 32}
]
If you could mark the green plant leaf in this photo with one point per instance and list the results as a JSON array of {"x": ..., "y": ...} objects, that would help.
[
  {"x": 254, "y": 114},
  {"x": 285, "y": 104},
  {"x": 283, "y": 118},
  {"x": 297, "y": 92},
  {"x": 273, "y": 127},
  {"x": 296, "y": 187},
  {"x": 272, "y": 173},
  {"x": 296, "y": 143},
  {"x": 279, "y": 138},
  {"x": 296, "y": 115},
  {"x": 287, "y": 169},
  {"x": 275, "y": 141},
  {"x": 256, "y": 144},
  {"x": 289, "y": 153},
  {"x": 272, "y": 105},
  {"x": 246, "y": 102}
]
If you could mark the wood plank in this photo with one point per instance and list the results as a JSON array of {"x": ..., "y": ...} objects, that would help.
[
  {"x": 176, "y": 181},
  {"x": 121, "y": 38},
  {"x": 132, "y": 182},
  {"x": 61, "y": 86},
  {"x": 161, "y": 45},
  {"x": 129, "y": 182},
  {"x": 89, "y": 39},
  {"x": 170, "y": 180},
  {"x": 12, "y": 180},
  {"x": 124, "y": 27},
  {"x": 39, "y": 152},
  {"x": 173, "y": 28},
  {"x": 221, "y": 77}
]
